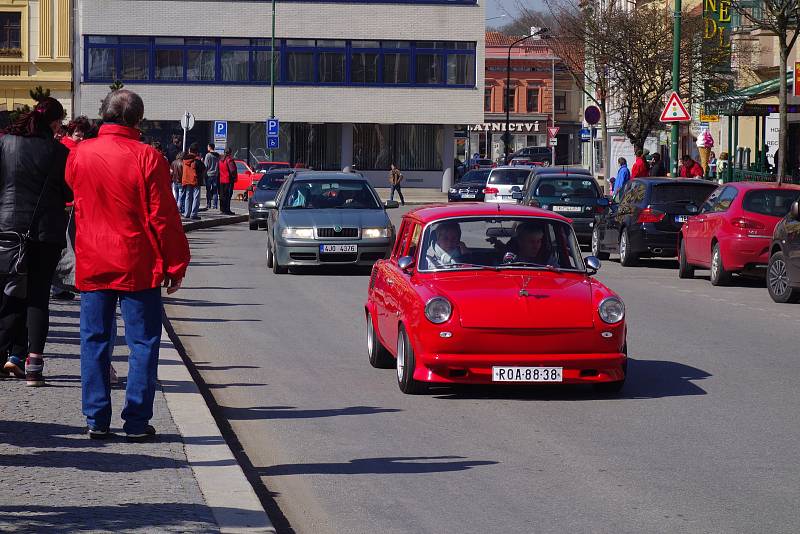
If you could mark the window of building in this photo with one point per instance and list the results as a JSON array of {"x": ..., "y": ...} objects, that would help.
[
  {"x": 461, "y": 69},
  {"x": 11, "y": 34},
  {"x": 373, "y": 146},
  {"x": 561, "y": 101},
  {"x": 101, "y": 64},
  {"x": 429, "y": 69},
  {"x": 201, "y": 65},
  {"x": 261, "y": 65},
  {"x": 487, "y": 99},
  {"x": 533, "y": 99},
  {"x": 331, "y": 67},
  {"x": 134, "y": 64},
  {"x": 419, "y": 147},
  {"x": 510, "y": 100},
  {"x": 235, "y": 65},
  {"x": 364, "y": 67},
  {"x": 300, "y": 67},
  {"x": 396, "y": 68},
  {"x": 318, "y": 146},
  {"x": 169, "y": 65}
]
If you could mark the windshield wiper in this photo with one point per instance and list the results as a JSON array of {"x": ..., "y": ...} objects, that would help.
[
  {"x": 531, "y": 264},
  {"x": 473, "y": 265}
]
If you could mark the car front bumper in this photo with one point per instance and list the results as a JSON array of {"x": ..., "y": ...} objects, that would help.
[
  {"x": 299, "y": 253},
  {"x": 258, "y": 215},
  {"x": 477, "y": 368},
  {"x": 583, "y": 229}
]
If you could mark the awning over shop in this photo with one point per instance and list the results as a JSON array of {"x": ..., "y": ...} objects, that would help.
[{"x": 740, "y": 103}]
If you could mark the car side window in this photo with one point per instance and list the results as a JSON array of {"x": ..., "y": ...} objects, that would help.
[
  {"x": 711, "y": 201},
  {"x": 282, "y": 192},
  {"x": 413, "y": 245},
  {"x": 402, "y": 239},
  {"x": 726, "y": 198}
]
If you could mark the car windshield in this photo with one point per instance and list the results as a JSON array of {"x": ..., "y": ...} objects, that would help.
[
  {"x": 475, "y": 177},
  {"x": 561, "y": 187},
  {"x": 331, "y": 194},
  {"x": 682, "y": 193},
  {"x": 500, "y": 243},
  {"x": 508, "y": 176},
  {"x": 775, "y": 202},
  {"x": 273, "y": 180}
]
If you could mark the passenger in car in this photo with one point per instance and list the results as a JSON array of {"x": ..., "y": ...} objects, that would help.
[
  {"x": 531, "y": 245},
  {"x": 446, "y": 247}
]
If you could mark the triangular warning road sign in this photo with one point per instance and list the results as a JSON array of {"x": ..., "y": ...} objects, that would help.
[{"x": 675, "y": 111}]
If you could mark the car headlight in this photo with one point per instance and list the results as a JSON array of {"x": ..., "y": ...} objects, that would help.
[
  {"x": 375, "y": 233},
  {"x": 453, "y": 190},
  {"x": 297, "y": 233},
  {"x": 438, "y": 310},
  {"x": 611, "y": 310}
]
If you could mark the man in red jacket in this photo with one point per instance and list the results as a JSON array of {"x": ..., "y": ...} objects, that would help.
[
  {"x": 639, "y": 168},
  {"x": 129, "y": 242},
  {"x": 690, "y": 168}
]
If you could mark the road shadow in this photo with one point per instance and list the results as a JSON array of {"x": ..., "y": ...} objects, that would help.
[
  {"x": 647, "y": 379},
  {"x": 331, "y": 270},
  {"x": 146, "y": 517},
  {"x": 104, "y": 462},
  {"x": 744, "y": 281},
  {"x": 290, "y": 412},
  {"x": 206, "y": 366},
  {"x": 410, "y": 465},
  {"x": 175, "y": 301},
  {"x": 211, "y": 320},
  {"x": 657, "y": 263}
]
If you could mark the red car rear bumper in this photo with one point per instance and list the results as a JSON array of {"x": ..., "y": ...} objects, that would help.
[
  {"x": 740, "y": 252},
  {"x": 477, "y": 368}
]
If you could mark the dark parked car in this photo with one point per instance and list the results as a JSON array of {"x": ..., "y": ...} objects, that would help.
[
  {"x": 561, "y": 169},
  {"x": 540, "y": 155},
  {"x": 644, "y": 219},
  {"x": 783, "y": 271},
  {"x": 265, "y": 190},
  {"x": 483, "y": 163},
  {"x": 470, "y": 187},
  {"x": 576, "y": 196}
]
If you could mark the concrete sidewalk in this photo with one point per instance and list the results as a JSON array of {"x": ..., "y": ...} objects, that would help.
[
  {"x": 415, "y": 196},
  {"x": 53, "y": 478}
]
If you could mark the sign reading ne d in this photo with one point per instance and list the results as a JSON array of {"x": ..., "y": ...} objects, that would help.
[{"x": 675, "y": 111}]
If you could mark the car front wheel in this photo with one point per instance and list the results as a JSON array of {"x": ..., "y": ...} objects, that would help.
[
  {"x": 684, "y": 269},
  {"x": 406, "y": 364},
  {"x": 596, "y": 245},
  {"x": 270, "y": 258},
  {"x": 379, "y": 357},
  {"x": 719, "y": 276},
  {"x": 778, "y": 280}
]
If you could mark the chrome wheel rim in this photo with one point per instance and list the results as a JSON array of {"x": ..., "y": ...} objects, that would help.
[
  {"x": 623, "y": 246},
  {"x": 715, "y": 264},
  {"x": 778, "y": 280},
  {"x": 595, "y": 243},
  {"x": 370, "y": 334},
  {"x": 401, "y": 358}
]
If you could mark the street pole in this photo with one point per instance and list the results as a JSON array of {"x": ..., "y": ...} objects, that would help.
[
  {"x": 506, "y": 99},
  {"x": 553, "y": 106},
  {"x": 676, "y": 74},
  {"x": 272, "y": 76},
  {"x": 186, "y": 118}
]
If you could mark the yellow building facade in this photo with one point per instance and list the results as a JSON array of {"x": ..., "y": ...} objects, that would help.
[{"x": 35, "y": 50}]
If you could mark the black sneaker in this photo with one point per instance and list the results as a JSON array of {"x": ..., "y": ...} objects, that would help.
[
  {"x": 148, "y": 434},
  {"x": 63, "y": 295},
  {"x": 96, "y": 433},
  {"x": 34, "y": 366}
]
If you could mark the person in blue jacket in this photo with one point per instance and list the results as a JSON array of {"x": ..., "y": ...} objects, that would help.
[{"x": 623, "y": 175}]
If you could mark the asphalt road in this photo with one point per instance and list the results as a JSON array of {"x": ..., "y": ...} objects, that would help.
[{"x": 704, "y": 437}]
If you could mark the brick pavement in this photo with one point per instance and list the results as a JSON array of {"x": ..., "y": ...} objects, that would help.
[{"x": 54, "y": 479}]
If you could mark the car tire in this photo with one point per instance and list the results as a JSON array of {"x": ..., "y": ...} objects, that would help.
[
  {"x": 778, "y": 280},
  {"x": 254, "y": 226},
  {"x": 546, "y": 163},
  {"x": 405, "y": 364},
  {"x": 596, "y": 245},
  {"x": 719, "y": 276},
  {"x": 608, "y": 388},
  {"x": 684, "y": 269},
  {"x": 270, "y": 257},
  {"x": 277, "y": 268},
  {"x": 379, "y": 357},
  {"x": 626, "y": 257}
]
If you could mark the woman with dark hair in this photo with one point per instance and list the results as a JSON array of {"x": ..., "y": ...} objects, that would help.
[
  {"x": 32, "y": 198},
  {"x": 76, "y": 131}
]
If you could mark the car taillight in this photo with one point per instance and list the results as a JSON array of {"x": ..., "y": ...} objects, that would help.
[
  {"x": 494, "y": 165},
  {"x": 649, "y": 215},
  {"x": 747, "y": 224},
  {"x": 490, "y": 191}
]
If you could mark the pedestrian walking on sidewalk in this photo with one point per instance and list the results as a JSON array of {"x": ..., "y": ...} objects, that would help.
[
  {"x": 129, "y": 242},
  {"x": 33, "y": 194},
  {"x": 623, "y": 175},
  {"x": 176, "y": 176},
  {"x": 192, "y": 180},
  {"x": 395, "y": 179},
  {"x": 640, "y": 168},
  {"x": 211, "y": 162},
  {"x": 227, "y": 178}
]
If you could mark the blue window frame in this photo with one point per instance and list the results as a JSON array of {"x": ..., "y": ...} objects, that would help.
[{"x": 234, "y": 61}]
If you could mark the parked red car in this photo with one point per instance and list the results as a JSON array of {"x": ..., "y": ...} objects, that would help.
[
  {"x": 486, "y": 294},
  {"x": 244, "y": 176},
  {"x": 733, "y": 231}
]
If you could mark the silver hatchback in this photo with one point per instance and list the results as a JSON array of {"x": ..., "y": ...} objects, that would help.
[{"x": 504, "y": 181}]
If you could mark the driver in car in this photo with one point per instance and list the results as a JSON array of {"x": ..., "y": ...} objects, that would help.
[
  {"x": 447, "y": 249},
  {"x": 530, "y": 246}
]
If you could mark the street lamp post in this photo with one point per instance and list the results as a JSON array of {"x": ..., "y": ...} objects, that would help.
[
  {"x": 272, "y": 76},
  {"x": 506, "y": 100}
]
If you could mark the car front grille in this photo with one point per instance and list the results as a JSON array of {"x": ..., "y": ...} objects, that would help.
[
  {"x": 338, "y": 258},
  {"x": 342, "y": 233},
  {"x": 303, "y": 256}
]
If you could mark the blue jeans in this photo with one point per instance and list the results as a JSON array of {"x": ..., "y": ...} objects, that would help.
[
  {"x": 191, "y": 194},
  {"x": 141, "y": 314},
  {"x": 212, "y": 192},
  {"x": 180, "y": 197}
]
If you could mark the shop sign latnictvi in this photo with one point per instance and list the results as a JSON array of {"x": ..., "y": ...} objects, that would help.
[{"x": 520, "y": 127}]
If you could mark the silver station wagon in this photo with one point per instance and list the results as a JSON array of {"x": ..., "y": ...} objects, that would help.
[{"x": 321, "y": 218}]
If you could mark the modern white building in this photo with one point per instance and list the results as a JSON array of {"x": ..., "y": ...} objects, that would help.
[{"x": 362, "y": 83}]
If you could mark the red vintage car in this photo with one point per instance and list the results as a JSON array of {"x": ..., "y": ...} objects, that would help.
[
  {"x": 487, "y": 294},
  {"x": 733, "y": 231}
]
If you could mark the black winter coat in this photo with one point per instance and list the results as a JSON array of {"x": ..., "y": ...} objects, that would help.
[{"x": 26, "y": 163}]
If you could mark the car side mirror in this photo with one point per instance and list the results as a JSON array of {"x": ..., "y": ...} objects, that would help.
[
  {"x": 795, "y": 210},
  {"x": 603, "y": 202},
  {"x": 406, "y": 263},
  {"x": 270, "y": 204},
  {"x": 592, "y": 264},
  {"x": 517, "y": 195},
  {"x": 248, "y": 172},
  {"x": 391, "y": 204}
]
